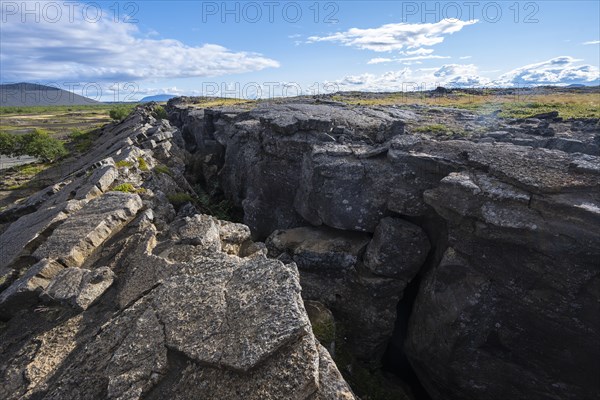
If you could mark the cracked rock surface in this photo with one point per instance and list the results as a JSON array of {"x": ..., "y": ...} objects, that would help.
[
  {"x": 479, "y": 264},
  {"x": 111, "y": 294}
]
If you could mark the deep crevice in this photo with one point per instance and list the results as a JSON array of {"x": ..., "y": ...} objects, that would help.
[{"x": 395, "y": 359}]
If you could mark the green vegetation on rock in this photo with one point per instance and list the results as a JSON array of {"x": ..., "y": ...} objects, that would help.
[
  {"x": 324, "y": 332},
  {"x": 124, "y": 164},
  {"x": 142, "y": 164},
  {"x": 214, "y": 204},
  {"x": 125, "y": 188},
  {"x": 163, "y": 169}
]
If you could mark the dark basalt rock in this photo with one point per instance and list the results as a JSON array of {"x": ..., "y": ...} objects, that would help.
[{"x": 510, "y": 310}]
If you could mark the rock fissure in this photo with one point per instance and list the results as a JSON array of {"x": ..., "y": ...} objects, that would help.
[
  {"x": 465, "y": 267},
  {"x": 496, "y": 215}
]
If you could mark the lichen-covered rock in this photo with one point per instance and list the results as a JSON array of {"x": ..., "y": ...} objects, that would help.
[
  {"x": 23, "y": 236},
  {"x": 200, "y": 230},
  {"x": 27, "y": 288},
  {"x": 79, "y": 287},
  {"x": 82, "y": 233},
  {"x": 234, "y": 237},
  {"x": 260, "y": 301}
]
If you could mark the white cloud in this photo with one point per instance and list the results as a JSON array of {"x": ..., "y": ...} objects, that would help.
[
  {"x": 109, "y": 50},
  {"x": 429, "y": 57},
  {"x": 395, "y": 36},
  {"x": 406, "y": 60},
  {"x": 556, "y": 71},
  {"x": 465, "y": 57},
  {"x": 380, "y": 60},
  {"x": 408, "y": 79},
  {"x": 389, "y": 81},
  {"x": 591, "y": 42},
  {"x": 419, "y": 52}
]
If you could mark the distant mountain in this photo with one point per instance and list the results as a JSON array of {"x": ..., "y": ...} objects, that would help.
[
  {"x": 158, "y": 98},
  {"x": 31, "y": 94}
]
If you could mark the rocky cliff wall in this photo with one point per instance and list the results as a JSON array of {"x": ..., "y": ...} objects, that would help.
[
  {"x": 114, "y": 286},
  {"x": 499, "y": 230}
]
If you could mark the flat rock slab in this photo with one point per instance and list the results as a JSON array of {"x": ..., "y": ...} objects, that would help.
[
  {"x": 22, "y": 236},
  {"x": 293, "y": 373},
  {"x": 27, "y": 288},
  {"x": 88, "y": 228},
  {"x": 234, "y": 319},
  {"x": 79, "y": 287}
]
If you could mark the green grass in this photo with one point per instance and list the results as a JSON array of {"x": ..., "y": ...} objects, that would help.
[
  {"x": 30, "y": 170},
  {"x": 163, "y": 169},
  {"x": 24, "y": 174},
  {"x": 124, "y": 164},
  {"x": 208, "y": 102},
  {"x": 565, "y": 110},
  {"x": 142, "y": 164},
  {"x": 125, "y": 188},
  {"x": 120, "y": 112},
  {"x": 19, "y": 110},
  {"x": 568, "y": 105}
]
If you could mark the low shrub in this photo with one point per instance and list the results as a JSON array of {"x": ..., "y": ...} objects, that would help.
[
  {"x": 213, "y": 203},
  {"x": 37, "y": 144},
  {"x": 119, "y": 113}
]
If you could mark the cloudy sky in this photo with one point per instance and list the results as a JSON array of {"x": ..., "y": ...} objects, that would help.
[{"x": 127, "y": 50}]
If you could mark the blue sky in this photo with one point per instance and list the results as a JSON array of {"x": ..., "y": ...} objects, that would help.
[{"x": 259, "y": 48}]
